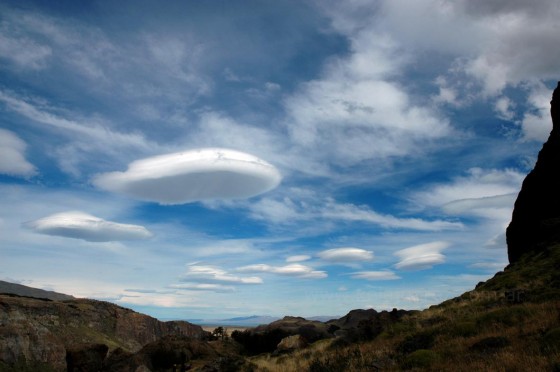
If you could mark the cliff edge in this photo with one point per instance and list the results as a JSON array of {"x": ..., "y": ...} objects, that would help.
[{"x": 535, "y": 222}]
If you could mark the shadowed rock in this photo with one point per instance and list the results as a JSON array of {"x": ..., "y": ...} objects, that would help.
[{"x": 535, "y": 220}]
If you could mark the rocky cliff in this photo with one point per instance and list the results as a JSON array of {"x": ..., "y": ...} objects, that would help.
[
  {"x": 535, "y": 221},
  {"x": 42, "y": 331}
]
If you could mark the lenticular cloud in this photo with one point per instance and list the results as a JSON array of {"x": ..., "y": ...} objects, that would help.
[
  {"x": 84, "y": 226},
  {"x": 191, "y": 176}
]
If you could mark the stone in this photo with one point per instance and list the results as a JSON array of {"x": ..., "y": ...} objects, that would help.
[{"x": 291, "y": 343}]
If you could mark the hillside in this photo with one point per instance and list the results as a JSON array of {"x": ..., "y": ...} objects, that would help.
[
  {"x": 38, "y": 331},
  {"x": 25, "y": 291}
]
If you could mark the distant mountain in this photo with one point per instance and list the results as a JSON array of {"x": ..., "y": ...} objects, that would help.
[
  {"x": 253, "y": 320},
  {"x": 22, "y": 290},
  {"x": 322, "y": 318},
  {"x": 246, "y": 321}
]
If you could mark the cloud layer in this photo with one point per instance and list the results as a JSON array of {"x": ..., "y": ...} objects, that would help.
[
  {"x": 80, "y": 225},
  {"x": 190, "y": 176}
]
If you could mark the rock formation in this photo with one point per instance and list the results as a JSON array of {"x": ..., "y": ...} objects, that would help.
[
  {"x": 535, "y": 221},
  {"x": 366, "y": 324},
  {"x": 56, "y": 332}
]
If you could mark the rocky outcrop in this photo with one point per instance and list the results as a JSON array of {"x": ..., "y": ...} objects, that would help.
[
  {"x": 535, "y": 222},
  {"x": 365, "y": 324},
  {"x": 291, "y": 343},
  {"x": 311, "y": 330},
  {"x": 46, "y": 331}
]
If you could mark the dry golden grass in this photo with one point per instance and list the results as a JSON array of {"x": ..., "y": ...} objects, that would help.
[{"x": 456, "y": 328}]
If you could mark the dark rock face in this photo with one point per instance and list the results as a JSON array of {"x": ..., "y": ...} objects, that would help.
[
  {"x": 536, "y": 216},
  {"x": 365, "y": 324},
  {"x": 85, "y": 358}
]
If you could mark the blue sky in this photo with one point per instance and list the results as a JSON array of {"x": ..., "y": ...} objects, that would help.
[{"x": 212, "y": 159}]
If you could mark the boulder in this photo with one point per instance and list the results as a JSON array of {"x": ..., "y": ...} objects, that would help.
[{"x": 291, "y": 343}]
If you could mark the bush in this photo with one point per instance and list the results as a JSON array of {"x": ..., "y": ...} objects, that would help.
[
  {"x": 490, "y": 344},
  {"x": 421, "y": 359},
  {"x": 422, "y": 340},
  {"x": 350, "y": 359},
  {"x": 258, "y": 343},
  {"x": 551, "y": 341},
  {"x": 508, "y": 316},
  {"x": 463, "y": 329}
]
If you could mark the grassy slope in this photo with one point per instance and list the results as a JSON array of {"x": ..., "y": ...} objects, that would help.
[{"x": 482, "y": 330}]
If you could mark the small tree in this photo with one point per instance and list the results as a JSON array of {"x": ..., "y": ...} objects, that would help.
[{"x": 219, "y": 333}]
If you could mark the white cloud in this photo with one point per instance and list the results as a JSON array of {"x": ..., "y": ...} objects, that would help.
[
  {"x": 375, "y": 275},
  {"x": 348, "y": 120},
  {"x": 296, "y": 270},
  {"x": 487, "y": 193},
  {"x": 536, "y": 123},
  {"x": 206, "y": 273},
  {"x": 420, "y": 257},
  {"x": 298, "y": 258},
  {"x": 79, "y": 225},
  {"x": 522, "y": 42},
  {"x": 347, "y": 254},
  {"x": 210, "y": 287},
  {"x": 12, "y": 158},
  {"x": 495, "y": 42},
  {"x": 504, "y": 107},
  {"x": 191, "y": 176},
  {"x": 354, "y": 111}
]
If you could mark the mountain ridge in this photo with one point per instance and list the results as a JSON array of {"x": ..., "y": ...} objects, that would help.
[{"x": 26, "y": 291}]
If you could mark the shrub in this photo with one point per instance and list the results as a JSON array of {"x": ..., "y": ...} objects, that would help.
[
  {"x": 421, "y": 359},
  {"x": 258, "y": 343},
  {"x": 422, "y": 340},
  {"x": 490, "y": 344},
  {"x": 507, "y": 316},
  {"x": 551, "y": 341},
  {"x": 463, "y": 329}
]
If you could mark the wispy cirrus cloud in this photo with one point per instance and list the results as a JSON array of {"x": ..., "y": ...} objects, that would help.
[
  {"x": 12, "y": 155},
  {"x": 207, "y": 273},
  {"x": 307, "y": 206},
  {"x": 488, "y": 193}
]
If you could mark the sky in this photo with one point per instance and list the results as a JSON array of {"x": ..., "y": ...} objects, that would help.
[{"x": 214, "y": 159}]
